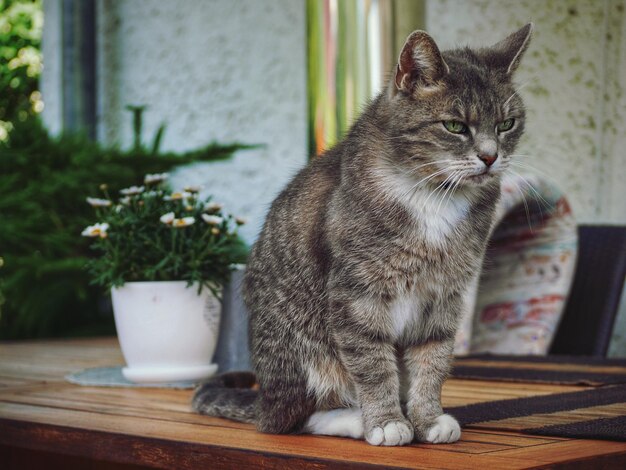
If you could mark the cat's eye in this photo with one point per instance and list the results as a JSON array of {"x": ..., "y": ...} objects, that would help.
[
  {"x": 456, "y": 127},
  {"x": 505, "y": 125}
]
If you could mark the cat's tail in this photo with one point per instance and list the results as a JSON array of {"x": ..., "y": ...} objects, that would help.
[{"x": 229, "y": 395}]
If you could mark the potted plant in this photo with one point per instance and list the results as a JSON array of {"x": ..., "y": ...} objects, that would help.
[{"x": 165, "y": 255}]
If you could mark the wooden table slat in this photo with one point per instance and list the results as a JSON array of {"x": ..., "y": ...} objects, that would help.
[{"x": 155, "y": 427}]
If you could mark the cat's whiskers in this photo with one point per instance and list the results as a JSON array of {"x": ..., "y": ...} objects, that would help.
[
  {"x": 532, "y": 188},
  {"x": 547, "y": 157},
  {"x": 455, "y": 175},
  {"x": 436, "y": 190},
  {"x": 455, "y": 165},
  {"x": 413, "y": 170},
  {"x": 392, "y": 164},
  {"x": 528, "y": 166},
  {"x": 418, "y": 156},
  {"x": 516, "y": 186},
  {"x": 433, "y": 192},
  {"x": 519, "y": 88},
  {"x": 411, "y": 190},
  {"x": 458, "y": 183},
  {"x": 539, "y": 199},
  {"x": 416, "y": 188},
  {"x": 455, "y": 185}
]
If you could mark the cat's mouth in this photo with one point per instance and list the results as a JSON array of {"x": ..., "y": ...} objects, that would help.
[{"x": 480, "y": 177}]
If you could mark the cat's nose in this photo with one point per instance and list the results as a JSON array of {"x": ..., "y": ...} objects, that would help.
[{"x": 488, "y": 159}]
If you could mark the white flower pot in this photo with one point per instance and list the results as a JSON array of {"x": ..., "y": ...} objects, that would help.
[{"x": 167, "y": 331}]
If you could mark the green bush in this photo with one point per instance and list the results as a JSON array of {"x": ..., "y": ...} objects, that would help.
[
  {"x": 44, "y": 182},
  {"x": 21, "y": 24}
]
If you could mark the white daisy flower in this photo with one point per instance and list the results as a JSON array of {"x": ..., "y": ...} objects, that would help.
[
  {"x": 155, "y": 178},
  {"x": 212, "y": 219},
  {"x": 167, "y": 218},
  {"x": 96, "y": 230},
  {"x": 177, "y": 196},
  {"x": 95, "y": 202},
  {"x": 125, "y": 200},
  {"x": 193, "y": 189},
  {"x": 213, "y": 206},
  {"x": 183, "y": 222},
  {"x": 132, "y": 191}
]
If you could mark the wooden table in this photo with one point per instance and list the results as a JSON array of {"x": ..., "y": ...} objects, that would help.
[{"x": 46, "y": 422}]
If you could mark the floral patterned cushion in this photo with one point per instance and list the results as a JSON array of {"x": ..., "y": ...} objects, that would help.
[{"x": 519, "y": 298}]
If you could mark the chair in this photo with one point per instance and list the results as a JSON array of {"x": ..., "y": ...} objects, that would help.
[{"x": 589, "y": 315}]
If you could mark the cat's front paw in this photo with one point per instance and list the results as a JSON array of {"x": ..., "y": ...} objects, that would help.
[
  {"x": 391, "y": 433},
  {"x": 445, "y": 429}
]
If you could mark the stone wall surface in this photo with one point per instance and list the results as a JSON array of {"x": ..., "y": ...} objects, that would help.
[
  {"x": 210, "y": 70},
  {"x": 51, "y": 84}
]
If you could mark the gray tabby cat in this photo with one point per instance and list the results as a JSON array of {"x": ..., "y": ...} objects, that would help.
[{"x": 357, "y": 282}]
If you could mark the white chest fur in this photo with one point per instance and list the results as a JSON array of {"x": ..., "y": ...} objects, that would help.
[
  {"x": 438, "y": 214},
  {"x": 404, "y": 312},
  {"x": 437, "y": 211}
]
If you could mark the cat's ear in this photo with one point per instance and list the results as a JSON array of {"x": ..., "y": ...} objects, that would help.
[
  {"x": 420, "y": 62},
  {"x": 508, "y": 52}
]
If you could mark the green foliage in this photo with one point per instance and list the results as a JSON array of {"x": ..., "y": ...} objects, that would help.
[
  {"x": 152, "y": 234},
  {"x": 21, "y": 24},
  {"x": 43, "y": 185}
]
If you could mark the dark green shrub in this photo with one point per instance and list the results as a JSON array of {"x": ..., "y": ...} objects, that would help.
[
  {"x": 21, "y": 24},
  {"x": 44, "y": 181}
]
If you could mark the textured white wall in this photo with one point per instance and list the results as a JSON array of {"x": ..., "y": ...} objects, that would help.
[
  {"x": 211, "y": 70},
  {"x": 51, "y": 81}
]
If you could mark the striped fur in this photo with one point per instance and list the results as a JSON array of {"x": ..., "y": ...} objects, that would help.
[{"x": 357, "y": 281}]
